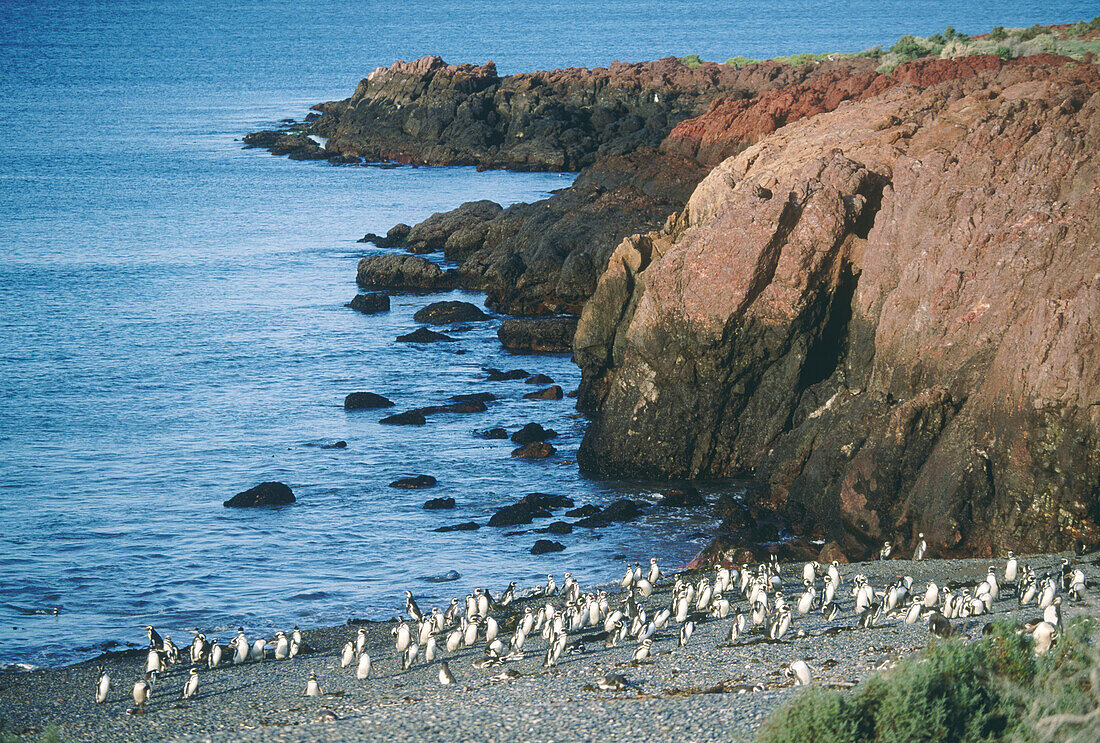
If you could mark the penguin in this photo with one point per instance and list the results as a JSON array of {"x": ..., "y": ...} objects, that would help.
[
  {"x": 240, "y": 654},
  {"x": 829, "y": 592},
  {"x": 445, "y": 676},
  {"x": 834, "y": 573},
  {"x": 153, "y": 662},
  {"x": 781, "y": 624},
  {"x": 509, "y": 595},
  {"x": 282, "y": 646},
  {"x": 491, "y": 629},
  {"x": 454, "y": 640},
  {"x": 296, "y": 636},
  {"x": 686, "y": 629},
  {"x": 1066, "y": 574},
  {"x": 191, "y": 684},
  {"x": 806, "y": 600},
  {"x": 612, "y": 682},
  {"x": 403, "y": 636},
  {"x": 171, "y": 652},
  {"x": 429, "y": 649},
  {"x": 409, "y": 657},
  {"x": 1053, "y": 613},
  {"x": 141, "y": 694},
  {"x": 654, "y": 571},
  {"x": 799, "y": 671},
  {"x": 360, "y": 640},
  {"x": 259, "y": 649},
  {"x": 155, "y": 640},
  {"x": 348, "y": 655},
  {"x": 939, "y": 625},
  {"x": 469, "y": 634},
  {"x": 482, "y": 597},
  {"x": 362, "y": 671},
  {"x": 931, "y": 596},
  {"x": 215, "y": 658},
  {"x": 102, "y": 686},
  {"x": 1044, "y": 635},
  {"x": 313, "y": 689},
  {"x": 451, "y": 614},
  {"x": 809, "y": 572},
  {"x": 912, "y": 615},
  {"x": 868, "y": 618},
  {"x": 552, "y": 586},
  {"x": 411, "y": 608},
  {"x": 199, "y": 648},
  {"x": 644, "y": 587},
  {"x": 830, "y": 611},
  {"x": 642, "y": 651},
  {"x": 921, "y": 548},
  {"x": 884, "y": 553},
  {"x": 1010, "y": 568}
]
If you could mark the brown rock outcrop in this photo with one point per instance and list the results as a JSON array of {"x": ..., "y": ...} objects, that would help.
[{"x": 890, "y": 313}]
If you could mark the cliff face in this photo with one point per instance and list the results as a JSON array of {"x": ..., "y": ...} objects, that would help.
[{"x": 889, "y": 313}]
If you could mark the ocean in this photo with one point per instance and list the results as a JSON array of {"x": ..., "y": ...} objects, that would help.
[{"x": 172, "y": 328}]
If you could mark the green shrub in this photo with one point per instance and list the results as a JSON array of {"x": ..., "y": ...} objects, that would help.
[
  {"x": 740, "y": 61},
  {"x": 815, "y": 714},
  {"x": 1094, "y": 24},
  {"x": 1003, "y": 52},
  {"x": 1027, "y": 34},
  {"x": 998, "y": 33},
  {"x": 874, "y": 52},
  {"x": 951, "y": 34},
  {"x": 691, "y": 60},
  {"x": 909, "y": 48}
]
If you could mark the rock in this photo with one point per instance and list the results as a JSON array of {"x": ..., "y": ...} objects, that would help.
[
  {"x": 559, "y": 527},
  {"x": 467, "y": 526},
  {"x": 414, "y": 483},
  {"x": 445, "y": 313},
  {"x": 496, "y": 375},
  {"x": 534, "y": 450},
  {"x": 456, "y": 231},
  {"x": 366, "y": 401},
  {"x": 370, "y": 304},
  {"x": 476, "y": 397},
  {"x": 583, "y": 511},
  {"x": 392, "y": 239},
  {"x": 423, "y": 335},
  {"x": 401, "y": 272},
  {"x": 297, "y": 146},
  {"x": 492, "y": 433},
  {"x": 439, "y": 504},
  {"x": 539, "y": 379},
  {"x": 831, "y": 552},
  {"x": 264, "y": 494},
  {"x": 550, "y": 393},
  {"x": 682, "y": 497},
  {"x": 546, "y": 501},
  {"x": 621, "y": 510},
  {"x": 543, "y": 546},
  {"x": 472, "y": 406},
  {"x": 572, "y": 394},
  {"x": 533, "y": 432},
  {"x": 518, "y": 513},
  {"x": 538, "y": 335},
  {"x": 336, "y": 445},
  {"x": 410, "y": 418},
  {"x": 450, "y": 575}
]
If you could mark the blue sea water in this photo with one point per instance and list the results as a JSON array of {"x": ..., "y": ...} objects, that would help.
[{"x": 172, "y": 327}]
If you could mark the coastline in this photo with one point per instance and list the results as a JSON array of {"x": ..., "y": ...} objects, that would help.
[{"x": 690, "y": 693}]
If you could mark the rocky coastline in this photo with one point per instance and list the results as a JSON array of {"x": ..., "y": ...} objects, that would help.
[{"x": 872, "y": 291}]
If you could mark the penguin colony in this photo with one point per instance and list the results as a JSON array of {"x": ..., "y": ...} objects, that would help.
[{"x": 558, "y": 621}]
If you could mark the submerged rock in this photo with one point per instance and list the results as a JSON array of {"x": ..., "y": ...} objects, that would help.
[
  {"x": 533, "y": 432},
  {"x": 621, "y": 510},
  {"x": 534, "y": 450},
  {"x": 366, "y": 401},
  {"x": 445, "y": 313},
  {"x": 410, "y": 418},
  {"x": 683, "y": 497},
  {"x": 423, "y": 335},
  {"x": 544, "y": 546},
  {"x": 415, "y": 482},
  {"x": 467, "y": 526},
  {"x": 496, "y": 375},
  {"x": 264, "y": 494},
  {"x": 492, "y": 433},
  {"x": 439, "y": 504},
  {"x": 370, "y": 304},
  {"x": 550, "y": 393},
  {"x": 539, "y": 379}
]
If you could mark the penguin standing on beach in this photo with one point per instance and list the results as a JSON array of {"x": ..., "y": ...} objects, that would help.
[
  {"x": 141, "y": 694},
  {"x": 411, "y": 607},
  {"x": 282, "y": 646},
  {"x": 921, "y": 548},
  {"x": 445, "y": 676},
  {"x": 155, "y": 640},
  {"x": 313, "y": 689},
  {"x": 191, "y": 684},
  {"x": 102, "y": 686},
  {"x": 509, "y": 595},
  {"x": 362, "y": 671},
  {"x": 240, "y": 647}
]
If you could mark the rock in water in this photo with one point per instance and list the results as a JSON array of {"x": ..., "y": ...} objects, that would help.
[
  {"x": 392, "y": 239},
  {"x": 538, "y": 335},
  {"x": 496, "y": 375},
  {"x": 621, "y": 510},
  {"x": 370, "y": 304},
  {"x": 264, "y": 494},
  {"x": 684, "y": 497},
  {"x": 445, "y": 313},
  {"x": 544, "y": 546},
  {"x": 533, "y": 432},
  {"x": 400, "y": 272},
  {"x": 468, "y": 526},
  {"x": 423, "y": 335},
  {"x": 550, "y": 393},
  {"x": 439, "y": 504},
  {"x": 539, "y": 379},
  {"x": 410, "y": 418},
  {"x": 366, "y": 401},
  {"x": 415, "y": 482},
  {"x": 492, "y": 433},
  {"x": 534, "y": 450}
]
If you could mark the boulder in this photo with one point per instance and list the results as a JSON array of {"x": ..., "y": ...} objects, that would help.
[
  {"x": 297, "y": 146},
  {"x": 264, "y": 494},
  {"x": 467, "y": 526},
  {"x": 546, "y": 501},
  {"x": 492, "y": 433},
  {"x": 476, "y": 397},
  {"x": 398, "y": 271},
  {"x": 534, "y": 450},
  {"x": 583, "y": 512},
  {"x": 533, "y": 432},
  {"x": 423, "y": 335},
  {"x": 538, "y": 335},
  {"x": 415, "y": 482},
  {"x": 621, "y": 510},
  {"x": 558, "y": 527},
  {"x": 550, "y": 393},
  {"x": 456, "y": 231},
  {"x": 410, "y": 418},
  {"x": 518, "y": 513},
  {"x": 496, "y": 375},
  {"x": 539, "y": 379},
  {"x": 366, "y": 401},
  {"x": 445, "y": 313},
  {"x": 544, "y": 546},
  {"x": 831, "y": 552},
  {"x": 439, "y": 504},
  {"x": 392, "y": 239},
  {"x": 370, "y": 304},
  {"x": 682, "y": 497}
]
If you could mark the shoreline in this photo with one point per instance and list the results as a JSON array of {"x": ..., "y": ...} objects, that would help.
[{"x": 693, "y": 692}]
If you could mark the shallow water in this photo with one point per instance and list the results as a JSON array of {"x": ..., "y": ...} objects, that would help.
[{"x": 172, "y": 327}]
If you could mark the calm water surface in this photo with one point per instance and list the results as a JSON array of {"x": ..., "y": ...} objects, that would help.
[{"x": 172, "y": 327}]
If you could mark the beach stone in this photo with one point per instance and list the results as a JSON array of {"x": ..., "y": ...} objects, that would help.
[
  {"x": 414, "y": 483},
  {"x": 423, "y": 335},
  {"x": 496, "y": 375},
  {"x": 831, "y": 552},
  {"x": 370, "y": 304},
  {"x": 533, "y": 432},
  {"x": 539, "y": 379},
  {"x": 682, "y": 497},
  {"x": 366, "y": 401},
  {"x": 550, "y": 393},
  {"x": 544, "y": 546},
  {"x": 439, "y": 504},
  {"x": 445, "y": 313},
  {"x": 411, "y": 418},
  {"x": 534, "y": 450},
  {"x": 467, "y": 526},
  {"x": 572, "y": 394},
  {"x": 264, "y": 494},
  {"x": 492, "y": 433}
]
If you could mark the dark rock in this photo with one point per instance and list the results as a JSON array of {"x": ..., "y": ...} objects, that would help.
[
  {"x": 496, "y": 375},
  {"x": 534, "y": 450},
  {"x": 477, "y": 397},
  {"x": 410, "y": 418},
  {"x": 366, "y": 401},
  {"x": 450, "y": 575},
  {"x": 472, "y": 406},
  {"x": 297, "y": 146},
  {"x": 583, "y": 511},
  {"x": 550, "y": 393},
  {"x": 543, "y": 546},
  {"x": 392, "y": 239},
  {"x": 572, "y": 394},
  {"x": 336, "y": 445},
  {"x": 533, "y": 432},
  {"x": 546, "y": 501},
  {"x": 492, "y": 433},
  {"x": 538, "y": 335},
  {"x": 264, "y": 494},
  {"x": 539, "y": 379},
  {"x": 370, "y": 304},
  {"x": 401, "y": 272},
  {"x": 445, "y": 313},
  {"x": 682, "y": 497},
  {"x": 831, "y": 552},
  {"x": 414, "y": 483},
  {"x": 456, "y": 232},
  {"x": 621, "y": 510},
  {"x": 439, "y": 504},
  {"x": 423, "y": 335},
  {"x": 468, "y": 526},
  {"x": 559, "y": 527},
  {"x": 518, "y": 513}
]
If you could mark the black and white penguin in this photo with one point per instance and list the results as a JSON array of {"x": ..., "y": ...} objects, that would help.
[
  {"x": 686, "y": 630},
  {"x": 641, "y": 653},
  {"x": 411, "y": 607},
  {"x": 799, "y": 671},
  {"x": 939, "y": 625},
  {"x": 313, "y": 689},
  {"x": 509, "y": 594},
  {"x": 259, "y": 649},
  {"x": 214, "y": 659},
  {"x": 282, "y": 646},
  {"x": 612, "y": 682},
  {"x": 362, "y": 671},
  {"x": 445, "y": 676},
  {"x": 347, "y": 656},
  {"x": 155, "y": 640},
  {"x": 409, "y": 657},
  {"x": 884, "y": 553},
  {"x": 141, "y": 694},
  {"x": 171, "y": 652},
  {"x": 921, "y": 548},
  {"x": 102, "y": 686},
  {"x": 191, "y": 684}
]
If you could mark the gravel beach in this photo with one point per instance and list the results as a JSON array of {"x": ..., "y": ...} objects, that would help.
[{"x": 685, "y": 693}]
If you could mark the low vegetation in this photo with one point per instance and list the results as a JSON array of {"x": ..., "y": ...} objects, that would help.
[{"x": 993, "y": 690}]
